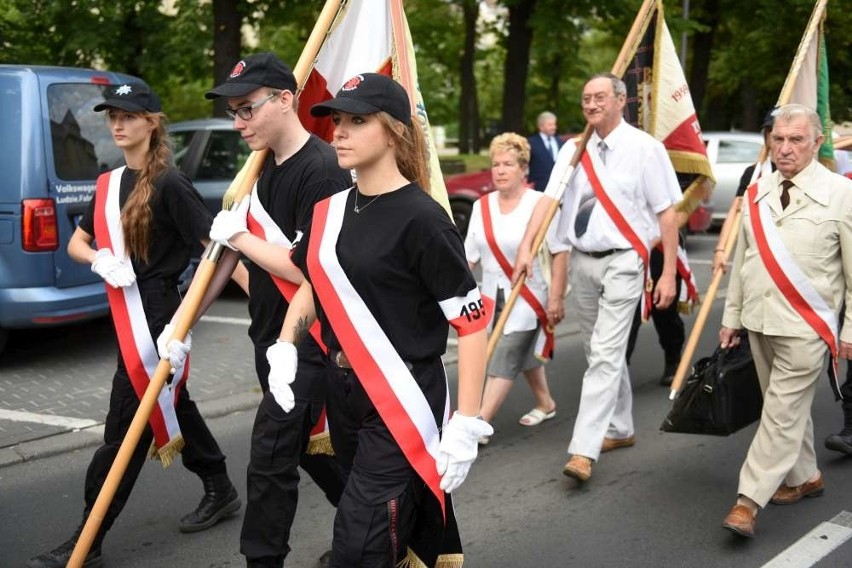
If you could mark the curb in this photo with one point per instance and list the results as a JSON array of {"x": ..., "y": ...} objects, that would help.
[
  {"x": 215, "y": 408},
  {"x": 93, "y": 435}
]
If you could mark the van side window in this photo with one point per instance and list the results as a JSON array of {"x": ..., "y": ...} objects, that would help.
[{"x": 81, "y": 141}]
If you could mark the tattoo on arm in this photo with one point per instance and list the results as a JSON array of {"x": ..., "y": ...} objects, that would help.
[{"x": 300, "y": 330}]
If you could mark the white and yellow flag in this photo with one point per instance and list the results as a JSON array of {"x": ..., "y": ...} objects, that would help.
[{"x": 369, "y": 36}]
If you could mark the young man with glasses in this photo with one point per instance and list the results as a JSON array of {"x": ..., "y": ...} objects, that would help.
[
  {"x": 617, "y": 206},
  {"x": 300, "y": 170}
]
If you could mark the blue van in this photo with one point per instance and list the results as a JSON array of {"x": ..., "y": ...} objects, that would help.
[{"x": 52, "y": 148}]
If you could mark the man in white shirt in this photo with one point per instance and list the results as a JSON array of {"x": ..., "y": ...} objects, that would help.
[{"x": 611, "y": 229}]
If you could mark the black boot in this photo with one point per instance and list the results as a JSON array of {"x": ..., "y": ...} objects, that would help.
[
  {"x": 842, "y": 442},
  {"x": 220, "y": 500},
  {"x": 59, "y": 556},
  {"x": 672, "y": 361}
]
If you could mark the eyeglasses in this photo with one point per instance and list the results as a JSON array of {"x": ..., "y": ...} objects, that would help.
[
  {"x": 598, "y": 99},
  {"x": 244, "y": 112}
]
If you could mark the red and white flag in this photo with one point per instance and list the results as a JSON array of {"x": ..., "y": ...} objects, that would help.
[
  {"x": 369, "y": 36},
  {"x": 659, "y": 102}
]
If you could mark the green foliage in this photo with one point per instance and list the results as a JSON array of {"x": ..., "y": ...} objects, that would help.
[{"x": 753, "y": 46}]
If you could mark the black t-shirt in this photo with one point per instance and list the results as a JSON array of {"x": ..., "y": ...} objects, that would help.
[
  {"x": 403, "y": 255},
  {"x": 288, "y": 193},
  {"x": 745, "y": 180},
  {"x": 179, "y": 222}
]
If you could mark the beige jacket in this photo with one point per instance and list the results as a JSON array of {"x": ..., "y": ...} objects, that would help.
[{"x": 816, "y": 228}]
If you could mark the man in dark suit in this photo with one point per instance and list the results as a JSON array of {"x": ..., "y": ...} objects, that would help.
[{"x": 544, "y": 146}]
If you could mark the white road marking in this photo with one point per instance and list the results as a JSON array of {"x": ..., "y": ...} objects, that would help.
[
  {"x": 225, "y": 319},
  {"x": 815, "y": 545},
  {"x": 700, "y": 262},
  {"x": 48, "y": 419}
]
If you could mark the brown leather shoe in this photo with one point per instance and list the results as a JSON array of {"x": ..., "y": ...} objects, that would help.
[
  {"x": 789, "y": 495},
  {"x": 610, "y": 444},
  {"x": 578, "y": 467},
  {"x": 740, "y": 521}
]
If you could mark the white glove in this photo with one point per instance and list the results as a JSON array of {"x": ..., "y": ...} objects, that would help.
[
  {"x": 228, "y": 224},
  {"x": 283, "y": 360},
  {"x": 175, "y": 351},
  {"x": 458, "y": 448},
  {"x": 117, "y": 273}
]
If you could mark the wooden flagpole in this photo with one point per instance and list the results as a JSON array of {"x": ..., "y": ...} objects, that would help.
[
  {"x": 701, "y": 319},
  {"x": 628, "y": 49},
  {"x": 245, "y": 180}
]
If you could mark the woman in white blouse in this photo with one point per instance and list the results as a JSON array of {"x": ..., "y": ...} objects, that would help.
[{"x": 497, "y": 225}]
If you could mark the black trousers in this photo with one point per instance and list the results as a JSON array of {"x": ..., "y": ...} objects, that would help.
[
  {"x": 667, "y": 322},
  {"x": 201, "y": 453},
  {"x": 385, "y": 503},
  {"x": 278, "y": 443}
]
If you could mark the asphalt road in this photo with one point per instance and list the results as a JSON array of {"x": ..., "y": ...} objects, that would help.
[{"x": 659, "y": 503}]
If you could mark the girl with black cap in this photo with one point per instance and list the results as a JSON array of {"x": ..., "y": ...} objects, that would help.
[
  {"x": 386, "y": 274},
  {"x": 146, "y": 218}
]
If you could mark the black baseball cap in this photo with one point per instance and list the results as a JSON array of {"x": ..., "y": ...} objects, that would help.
[
  {"x": 368, "y": 93},
  {"x": 254, "y": 72},
  {"x": 132, "y": 97},
  {"x": 769, "y": 119}
]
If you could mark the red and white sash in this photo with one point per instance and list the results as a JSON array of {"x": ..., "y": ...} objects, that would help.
[
  {"x": 138, "y": 350},
  {"x": 380, "y": 369},
  {"x": 592, "y": 164},
  {"x": 261, "y": 225},
  {"x": 688, "y": 297},
  {"x": 791, "y": 281},
  {"x": 544, "y": 340}
]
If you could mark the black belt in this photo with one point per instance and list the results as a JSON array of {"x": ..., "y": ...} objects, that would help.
[
  {"x": 340, "y": 359},
  {"x": 601, "y": 253}
]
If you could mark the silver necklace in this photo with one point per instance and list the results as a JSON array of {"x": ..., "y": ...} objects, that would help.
[{"x": 359, "y": 209}]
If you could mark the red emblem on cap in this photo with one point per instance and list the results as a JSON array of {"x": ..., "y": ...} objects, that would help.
[
  {"x": 238, "y": 69},
  {"x": 352, "y": 83}
]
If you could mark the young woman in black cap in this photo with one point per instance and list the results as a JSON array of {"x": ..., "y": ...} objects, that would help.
[
  {"x": 388, "y": 271},
  {"x": 146, "y": 218}
]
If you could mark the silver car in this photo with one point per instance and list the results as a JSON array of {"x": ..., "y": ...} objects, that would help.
[{"x": 730, "y": 153}]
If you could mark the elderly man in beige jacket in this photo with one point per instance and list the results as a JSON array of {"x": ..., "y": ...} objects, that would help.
[{"x": 792, "y": 272}]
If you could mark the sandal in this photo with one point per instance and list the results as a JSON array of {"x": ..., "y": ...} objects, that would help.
[{"x": 535, "y": 417}]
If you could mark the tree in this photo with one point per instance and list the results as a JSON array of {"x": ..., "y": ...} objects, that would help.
[
  {"x": 518, "y": 42},
  {"x": 469, "y": 107},
  {"x": 227, "y": 45}
]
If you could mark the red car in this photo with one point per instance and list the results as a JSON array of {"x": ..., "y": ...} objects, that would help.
[{"x": 464, "y": 189}]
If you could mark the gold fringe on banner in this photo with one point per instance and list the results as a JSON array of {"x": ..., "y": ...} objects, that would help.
[
  {"x": 687, "y": 308},
  {"x": 411, "y": 560},
  {"x": 690, "y": 163},
  {"x": 167, "y": 453},
  {"x": 320, "y": 444}
]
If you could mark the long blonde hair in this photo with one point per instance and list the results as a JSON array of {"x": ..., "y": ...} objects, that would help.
[
  {"x": 411, "y": 153},
  {"x": 136, "y": 215}
]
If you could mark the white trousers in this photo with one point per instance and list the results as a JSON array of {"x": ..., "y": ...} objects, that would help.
[
  {"x": 605, "y": 292},
  {"x": 782, "y": 450}
]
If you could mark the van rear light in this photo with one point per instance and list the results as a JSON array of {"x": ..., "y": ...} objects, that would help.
[
  {"x": 100, "y": 80},
  {"x": 38, "y": 225}
]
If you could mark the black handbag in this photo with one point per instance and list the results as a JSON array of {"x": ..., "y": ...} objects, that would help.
[{"x": 721, "y": 396}]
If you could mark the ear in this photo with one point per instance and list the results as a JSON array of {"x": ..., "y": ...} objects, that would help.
[{"x": 286, "y": 97}]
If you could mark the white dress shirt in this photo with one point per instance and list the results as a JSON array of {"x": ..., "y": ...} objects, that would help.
[
  {"x": 642, "y": 184},
  {"x": 508, "y": 231}
]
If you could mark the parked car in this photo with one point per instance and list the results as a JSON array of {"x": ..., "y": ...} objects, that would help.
[
  {"x": 730, "y": 153},
  {"x": 211, "y": 153},
  {"x": 52, "y": 148},
  {"x": 464, "y": 189}
]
